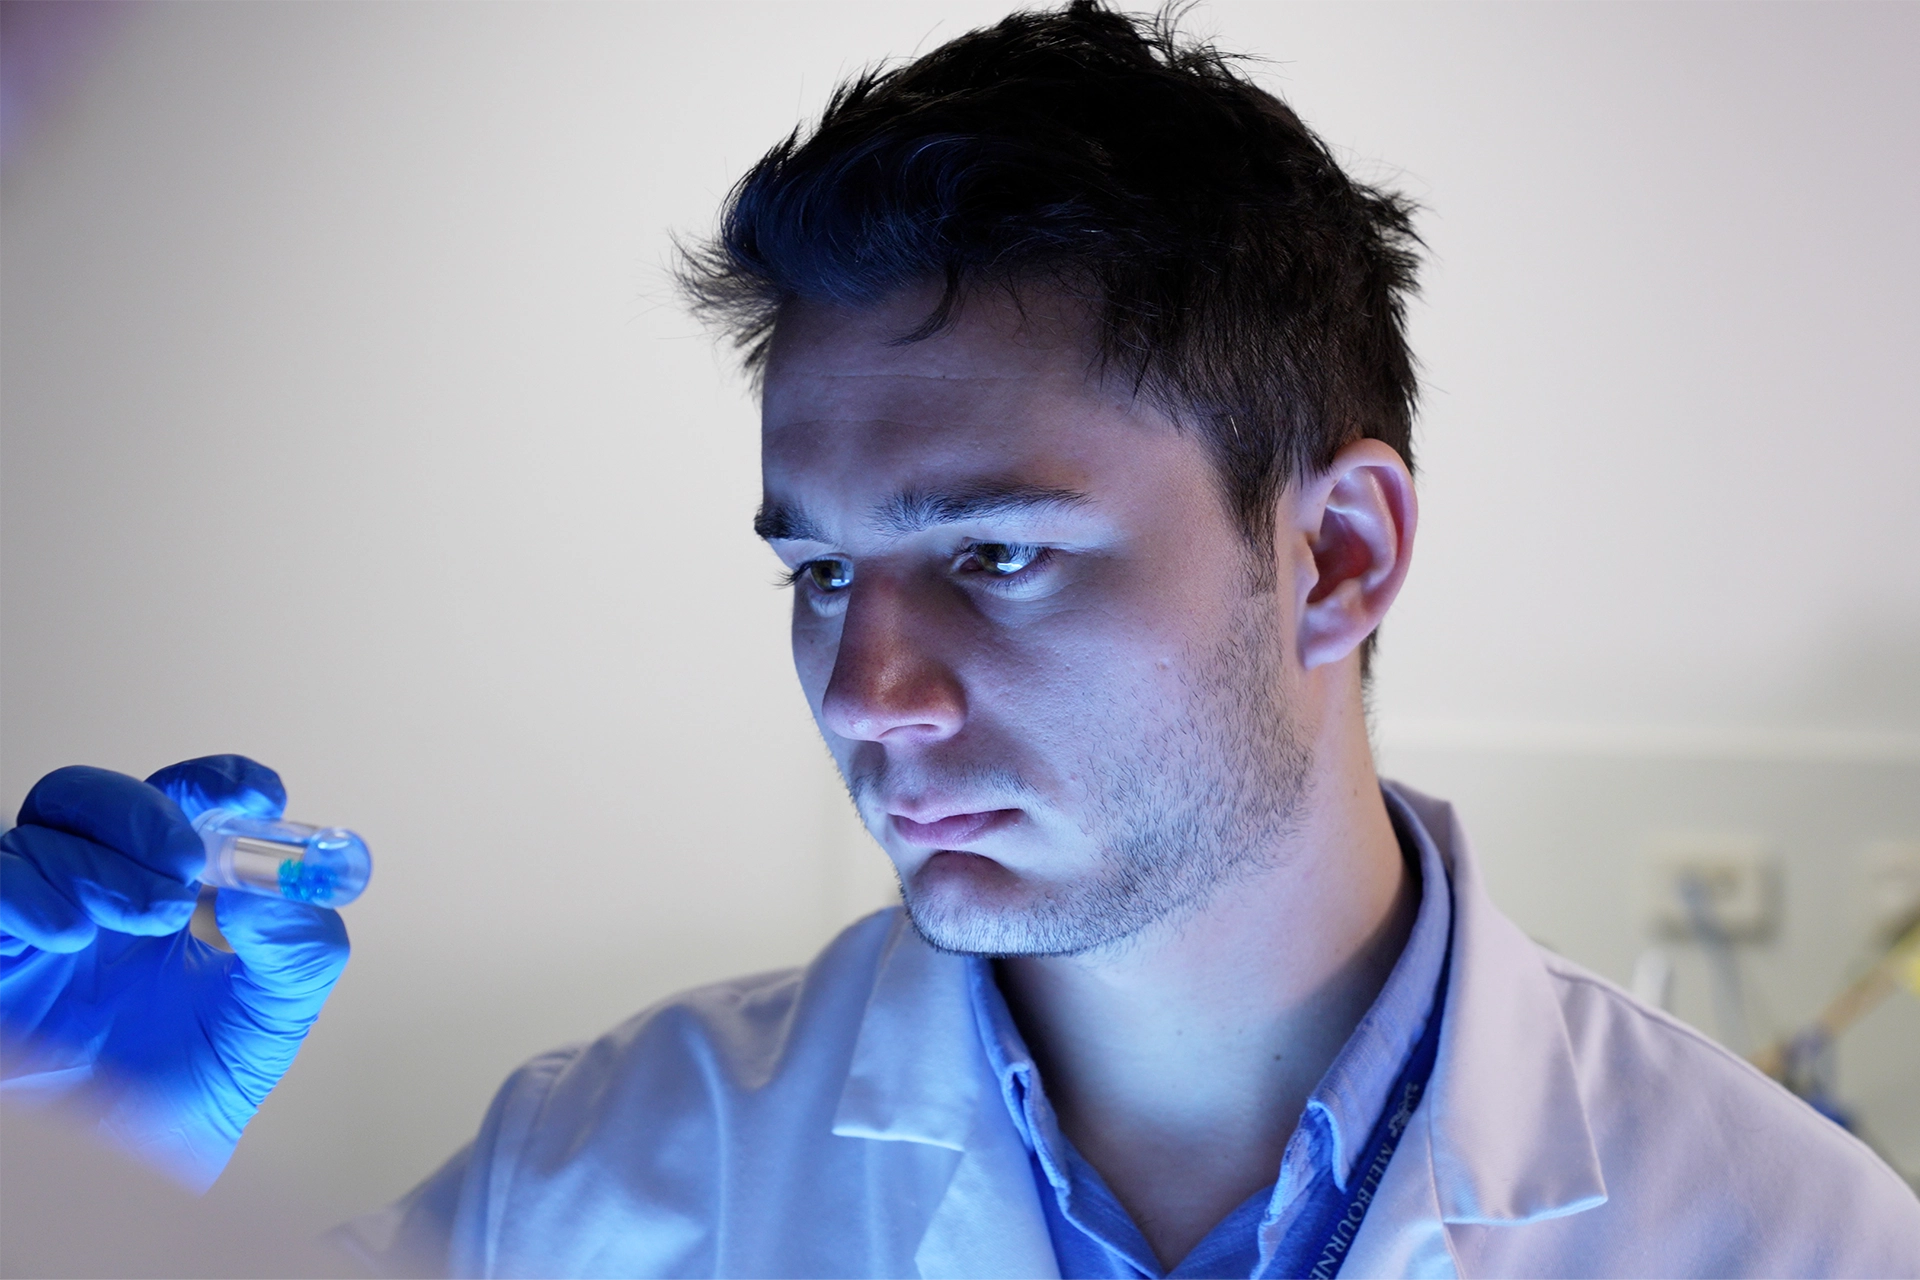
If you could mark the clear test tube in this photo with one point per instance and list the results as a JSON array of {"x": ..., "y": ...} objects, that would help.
[{"x": 327, "y": 866}]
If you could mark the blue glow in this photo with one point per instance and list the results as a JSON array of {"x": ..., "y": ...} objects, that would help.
[{"x": 304, "y": 882}]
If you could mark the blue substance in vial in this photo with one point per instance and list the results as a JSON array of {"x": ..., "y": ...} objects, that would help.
[{"x": 304, "y": 882}]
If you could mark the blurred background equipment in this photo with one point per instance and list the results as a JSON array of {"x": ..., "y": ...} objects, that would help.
[{"x": 1804, "y": 1061}]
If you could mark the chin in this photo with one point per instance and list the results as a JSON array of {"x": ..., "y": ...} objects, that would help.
[
  {"x": 972, "y": 932},
  {"x": 969, "y": 905}
]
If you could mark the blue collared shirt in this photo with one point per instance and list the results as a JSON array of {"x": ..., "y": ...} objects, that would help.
[{"x": 1094, "y": 1238}]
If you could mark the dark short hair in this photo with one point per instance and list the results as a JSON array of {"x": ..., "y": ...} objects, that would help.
[{"x": 1236, "y": 274}]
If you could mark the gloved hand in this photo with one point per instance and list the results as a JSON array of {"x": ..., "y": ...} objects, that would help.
[{"x": 109, "y": 1004}]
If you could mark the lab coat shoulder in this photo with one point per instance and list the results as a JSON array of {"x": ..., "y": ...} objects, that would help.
[
  {"x": 1710, "y": 1168},
  {"x": 700, "y": 1139},
  {"x": 1573, "y": 1131}
]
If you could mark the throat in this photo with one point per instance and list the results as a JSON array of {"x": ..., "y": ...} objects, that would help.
[
  {"x": 1180, "y": 1073},
  {"x": 1219, "y": 1109}
]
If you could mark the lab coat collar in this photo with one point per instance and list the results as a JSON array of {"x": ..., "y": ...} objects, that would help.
[
  {"x": 919, "y": 1075},
  {"x": 909, "y": 1080},
  {"x": 1508, "y": 1128}
]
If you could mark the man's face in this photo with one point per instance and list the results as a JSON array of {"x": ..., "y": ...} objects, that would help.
[{"x": 1025, "y": 623}]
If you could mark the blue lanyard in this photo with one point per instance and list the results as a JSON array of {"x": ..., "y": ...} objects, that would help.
[{"x": 1402, "y": 1099}]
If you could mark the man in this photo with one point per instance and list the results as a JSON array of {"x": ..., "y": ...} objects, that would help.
[{"x": 1087, "y": 416}]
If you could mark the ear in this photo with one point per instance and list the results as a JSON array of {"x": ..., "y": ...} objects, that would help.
[{"x": 1357, "y": 518}]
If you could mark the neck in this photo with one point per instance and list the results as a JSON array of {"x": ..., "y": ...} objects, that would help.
[{"x": 1196, "y": 1045}]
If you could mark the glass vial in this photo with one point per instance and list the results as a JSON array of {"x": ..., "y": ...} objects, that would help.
[{"x": 327, "y": 866}]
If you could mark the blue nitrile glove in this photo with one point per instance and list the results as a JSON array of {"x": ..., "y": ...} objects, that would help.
[{"x": 109, "y": 1005}]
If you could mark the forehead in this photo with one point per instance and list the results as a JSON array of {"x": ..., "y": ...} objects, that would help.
[{"x": 1009, "y": 387}]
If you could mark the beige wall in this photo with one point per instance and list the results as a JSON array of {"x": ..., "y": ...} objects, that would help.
[{"x": 350, "y": 423}]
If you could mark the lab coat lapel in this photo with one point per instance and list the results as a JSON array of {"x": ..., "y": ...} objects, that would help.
[
  {"x": 1403, "y": 1233},
  {"x": 1507, "y": 1133},
  {"x": 990, "y": 1222},
  {"x": 919, "y": 1075},
  {"x": 1511, "y": 1142},
  {"x": 908, "y": 1080}
]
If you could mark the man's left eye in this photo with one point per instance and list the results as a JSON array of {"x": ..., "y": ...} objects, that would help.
[{"x": 1001, "y": 559}]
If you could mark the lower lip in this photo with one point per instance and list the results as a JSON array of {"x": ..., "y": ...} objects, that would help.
[{"x": 951, "y": 832}]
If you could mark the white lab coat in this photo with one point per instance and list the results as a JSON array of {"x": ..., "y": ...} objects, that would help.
[{"x": 841, "y": 1121}]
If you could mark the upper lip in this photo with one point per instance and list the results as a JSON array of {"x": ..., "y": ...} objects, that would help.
[
  {"x": 952, "y": 830},
  {"x": 929, "y": 810}
]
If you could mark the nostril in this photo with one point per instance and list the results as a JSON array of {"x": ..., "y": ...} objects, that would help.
[{"x": 922, "y": 700}]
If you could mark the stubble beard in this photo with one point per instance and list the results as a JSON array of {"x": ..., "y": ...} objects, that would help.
[{"x": 1180, "y": 810}]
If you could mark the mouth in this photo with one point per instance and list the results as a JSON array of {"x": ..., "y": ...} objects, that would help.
[{"x": 952, "y": 831}]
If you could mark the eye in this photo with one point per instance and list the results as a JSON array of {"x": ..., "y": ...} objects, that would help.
[
  {"x": 1001, "y": 559},
  {"x": 826, "y": 575}
]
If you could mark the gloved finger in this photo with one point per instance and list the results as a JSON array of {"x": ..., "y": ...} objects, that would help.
[
  {"x": 223, "y": 782},
  {"x": 113, "y": 890},
  {"x": 289, "y": 954},
  {"x": 121, "y": 813},
  {"x": 35, "y": 912}
]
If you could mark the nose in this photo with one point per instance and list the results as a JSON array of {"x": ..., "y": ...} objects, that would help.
[{"x": 889, "y": 683}]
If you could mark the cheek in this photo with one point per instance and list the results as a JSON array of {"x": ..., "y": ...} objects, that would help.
[
  {"x": 1080, "y": 683},
  {"x": 1119, "y": 666},
  {"x": 816, "y": 643},
  {"x": 1127, "y": 625}
]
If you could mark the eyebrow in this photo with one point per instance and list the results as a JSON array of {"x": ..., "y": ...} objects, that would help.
[
  {"x": 914, "y": 510},
  {"x": 781, "y": 522}
]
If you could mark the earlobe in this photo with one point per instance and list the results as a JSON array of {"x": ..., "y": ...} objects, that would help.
[{"x": 1358, "y": 517}]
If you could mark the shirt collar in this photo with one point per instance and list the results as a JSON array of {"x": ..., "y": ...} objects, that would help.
[
  {"x": 1354, "y": 1090},
  {"x": 1510, "y": 1137}
]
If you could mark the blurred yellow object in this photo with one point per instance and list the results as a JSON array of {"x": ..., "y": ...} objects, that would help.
[
  {"x": 1910, "y": 968},
  {"x": 1898, "y": 966}
]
